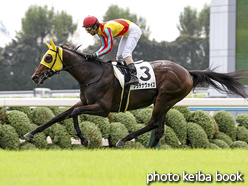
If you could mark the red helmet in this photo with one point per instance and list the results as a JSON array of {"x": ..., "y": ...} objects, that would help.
[{"x": 90, "y": 21}]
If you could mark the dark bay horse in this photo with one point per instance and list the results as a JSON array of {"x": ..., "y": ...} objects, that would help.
[{"x": 100, "y": 91}]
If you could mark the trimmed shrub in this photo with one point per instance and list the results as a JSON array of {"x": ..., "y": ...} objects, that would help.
[
  {"x": 26, "y": 110},
  {"x": 170, "y": 137},
  {"x": 197, "y": 136},
  {"x": 224, "y": 137},
  {"x": 144, "y": 138},
  {"x": 3, "y": 115},
  {"x": 216, "y": 128},
  {"x": 56, "y": 110},
  {"x": 213, "y": 146},
  {"x": 135, "y": 113},
  {"x": 93, "y": 133},
  {"x": 77, "y": 147},
  {"x": 126, "y": 119},
  {"x": 242, "y": 119},
  {"x": 102, "y": 123},
  {"x": 39, "y": 139},
  {"x": 41, "y": 115},
  {"x": 19, "y": 121},
  {"x": 145, "y": 115},
  {"x": 220, "y": 143},
  {"x": 226, "y": 123},
  {"x": 242, "y": 134},
  {"x": 133, "y": 145},
  {"x": 27, "y": 146},
  {"x": 60, "y": 136},
  {"x": 205, "y": 121},
  {"x": 53, "y": 147},
  {"x": 177, "y": 122},
  {"x": 186, "y": 147},
  {"x": 9, "y": 138},
  {"x": 239, "y": 144},
  {"x": 185, "y": 111},
  {"x": 117, "y": 132},
  {"x": 166, "y": 146}
]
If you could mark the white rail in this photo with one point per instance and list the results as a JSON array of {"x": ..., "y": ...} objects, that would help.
[{"x": 191, "y": 102}]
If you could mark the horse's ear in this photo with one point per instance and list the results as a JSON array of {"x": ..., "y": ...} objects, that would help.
[
  {"x": 49, "y": 46},
  {"x": 53, "y": 45}
]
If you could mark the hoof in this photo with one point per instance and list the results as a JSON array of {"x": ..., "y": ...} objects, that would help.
[
  {"x": 85, "y": 142},
  {"x": 120, "y": 143},
  {"x": 29, "y": 135}
]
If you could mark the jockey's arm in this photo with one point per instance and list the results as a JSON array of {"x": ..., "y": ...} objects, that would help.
[{"x": 106, "y": 42}]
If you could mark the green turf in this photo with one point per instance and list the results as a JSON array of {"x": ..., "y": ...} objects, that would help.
[{"x": 115, "y": 167}]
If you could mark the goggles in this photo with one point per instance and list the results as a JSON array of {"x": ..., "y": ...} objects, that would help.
[{"x": 88, "y": 29}]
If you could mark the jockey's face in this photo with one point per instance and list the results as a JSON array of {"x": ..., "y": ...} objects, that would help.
[{"x": 93, "y": 31}]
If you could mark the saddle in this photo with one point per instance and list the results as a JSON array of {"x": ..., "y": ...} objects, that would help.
[{"x": 144, "y": 73}]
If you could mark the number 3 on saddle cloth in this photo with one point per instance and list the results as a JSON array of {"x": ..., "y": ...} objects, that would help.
[{"x": 146, "y": 77}]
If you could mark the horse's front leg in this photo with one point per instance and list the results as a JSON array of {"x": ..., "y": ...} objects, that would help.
[
  {"x": 84, "y": 141},
  {"x": 58, "y": 118},
  {"x": 94, "y": 109}
]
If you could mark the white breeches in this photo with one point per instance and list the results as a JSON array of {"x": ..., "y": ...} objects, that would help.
[{"x": 128, "y": 42}]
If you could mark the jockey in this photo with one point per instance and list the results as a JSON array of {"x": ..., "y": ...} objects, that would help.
[{"x": 106, "y": 31}]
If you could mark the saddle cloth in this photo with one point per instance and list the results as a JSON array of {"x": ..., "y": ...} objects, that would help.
[
  {"x": 146, "y": 78},
  {"x": 145, "y": 74}
]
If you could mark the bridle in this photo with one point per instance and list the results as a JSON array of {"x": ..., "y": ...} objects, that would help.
[{"x": 51, "y": 72}]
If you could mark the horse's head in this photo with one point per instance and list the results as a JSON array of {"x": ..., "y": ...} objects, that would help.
[{"x": 51, "y": 63}]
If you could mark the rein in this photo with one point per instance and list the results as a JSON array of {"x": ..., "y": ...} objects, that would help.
[{"x": 52, "y": 72}]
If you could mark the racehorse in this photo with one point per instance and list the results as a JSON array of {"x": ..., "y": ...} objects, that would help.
[{"x": 100, "y": 91}]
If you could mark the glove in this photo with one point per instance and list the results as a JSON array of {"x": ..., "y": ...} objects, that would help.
[{"x": 90, "y": 56}]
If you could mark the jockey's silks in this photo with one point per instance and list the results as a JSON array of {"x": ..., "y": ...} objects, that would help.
[{"x": 109, "y": 30}]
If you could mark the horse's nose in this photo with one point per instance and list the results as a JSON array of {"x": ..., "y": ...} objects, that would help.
[{"x": 35, "y": 77}]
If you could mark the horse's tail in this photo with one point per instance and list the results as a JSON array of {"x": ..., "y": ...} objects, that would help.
[{"x": 227, "y": 82}]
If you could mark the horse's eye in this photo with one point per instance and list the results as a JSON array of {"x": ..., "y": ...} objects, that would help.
[{"x": 48, "y": 58}]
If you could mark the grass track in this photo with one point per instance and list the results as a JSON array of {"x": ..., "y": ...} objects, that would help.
[{"x": 115, "y": 167}]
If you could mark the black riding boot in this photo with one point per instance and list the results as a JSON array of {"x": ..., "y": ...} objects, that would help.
[{"x": 133, "y": 74}]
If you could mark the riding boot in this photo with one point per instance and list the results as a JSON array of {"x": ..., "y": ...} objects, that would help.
[{"x": 133, "y": 75}]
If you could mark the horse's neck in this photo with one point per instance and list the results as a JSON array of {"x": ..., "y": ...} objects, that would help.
[{"x": 86, "y": 71}]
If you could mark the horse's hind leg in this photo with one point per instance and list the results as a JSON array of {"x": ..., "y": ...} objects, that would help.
[
  {"x": 158, "y": 132},
  {"x": 162, "y": 105}
]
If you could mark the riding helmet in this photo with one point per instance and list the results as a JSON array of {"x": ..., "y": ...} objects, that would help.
[{"x": 90, "y": 21}]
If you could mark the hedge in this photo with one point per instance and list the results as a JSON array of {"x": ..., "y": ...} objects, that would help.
[
  {"x": 177, "y": 122},
  {"x": 199, "y": 130},
  {"x": 117, "y": 132},
  {"x": 185, "y": 111},
  {"x": 93, "y": 133},
  {"x": 226, "y": 123},
  {"x": 224, "y": 137},
  {"x": 242, "y": 119},
  {"x": 197, "y": 136},
  {"x": 60, "y": 136},
  {"x": 9, "y": 138},
  {"x": 41, "y": 115},
  {"x": 239, "y": 144},
  {"x": 205, "y": 121},
  {"x": 242, "y": 134},
  {"x": 220, "y": 143},
  {"x": 125, "y": 118},
  {"x": 19, "y": 121},
  {"x": 170, "y": 137}
]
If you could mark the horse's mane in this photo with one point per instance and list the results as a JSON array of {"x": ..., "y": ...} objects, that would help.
[{"x": 73, "y": 48}]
